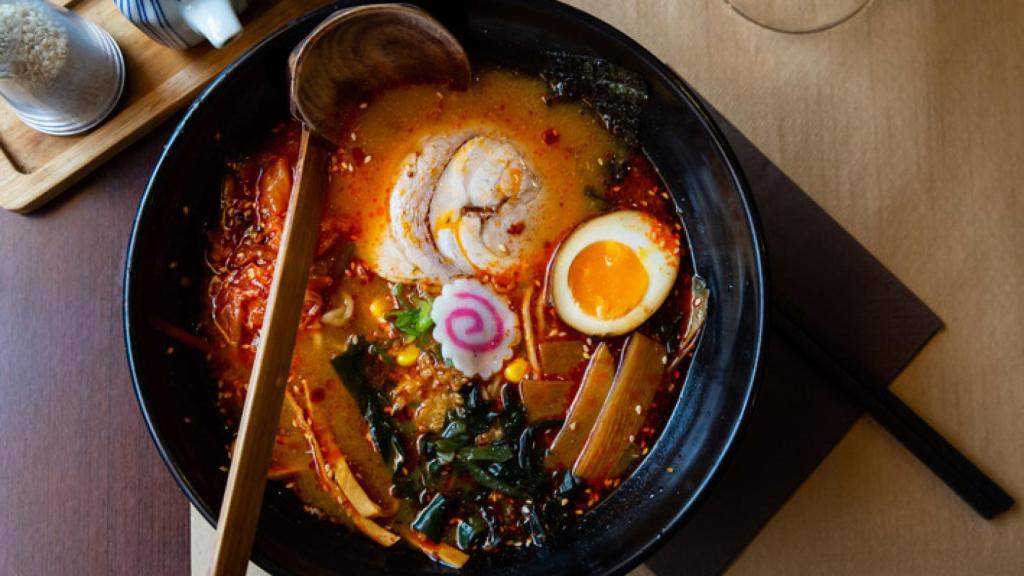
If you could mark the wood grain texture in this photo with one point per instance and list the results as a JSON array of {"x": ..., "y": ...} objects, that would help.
[
  {"x": 34, "y": 167},
  {"x": 243, "y": 496},
  {"x": 82, "y": 488},
  {"x": 906, "y": 125}
]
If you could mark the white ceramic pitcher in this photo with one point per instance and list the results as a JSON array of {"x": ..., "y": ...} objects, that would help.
[{"x": 185, "y": 23}]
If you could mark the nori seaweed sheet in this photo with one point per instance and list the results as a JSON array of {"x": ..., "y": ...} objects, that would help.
[{"x": 614, "y": 93}]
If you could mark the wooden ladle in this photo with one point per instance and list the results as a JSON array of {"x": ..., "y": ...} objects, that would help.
[{"x": 352, "y": 54}]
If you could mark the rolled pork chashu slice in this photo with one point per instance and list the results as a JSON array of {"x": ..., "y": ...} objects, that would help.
[
  {"x": 460, "y": 205},
  {"x": 408, "y": 253},
  {"x": 481, "y": 206}
]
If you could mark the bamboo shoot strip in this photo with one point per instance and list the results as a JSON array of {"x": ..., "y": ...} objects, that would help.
[
  {"x": 443, "y": 553},
  {"x": 623, "y": 413},
  {"x": 597, "y": 380},
  {"x": 545, "y": 399},
  {"x": 559, "y": 357}
]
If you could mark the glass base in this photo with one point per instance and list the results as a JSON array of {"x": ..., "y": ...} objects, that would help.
[
  {"x": 65, "y": 127},
  {"x": 798, "y": 16}
]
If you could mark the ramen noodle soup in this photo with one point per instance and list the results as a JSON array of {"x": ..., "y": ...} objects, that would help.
[{"x": 496, "y": 323}]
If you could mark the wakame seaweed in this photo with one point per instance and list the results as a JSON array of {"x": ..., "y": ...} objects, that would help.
[
  {"x": 469, "y": 530},
  {"x": 432, "y": 519},
  {"x": 617, "y": 95},
  {"x": 351, "y": 368}
]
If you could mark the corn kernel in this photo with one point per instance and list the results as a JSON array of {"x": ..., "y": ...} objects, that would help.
[
  {"x": 516, "y": 370},
  {"x": 378, "y": 307},
  {"x": 408, "y": 355}
]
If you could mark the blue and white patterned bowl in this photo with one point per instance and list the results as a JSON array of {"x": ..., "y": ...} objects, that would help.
[{"x": 184, "y": 23}]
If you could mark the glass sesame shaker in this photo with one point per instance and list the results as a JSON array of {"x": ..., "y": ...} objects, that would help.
[{"x": 59, "y": 72}]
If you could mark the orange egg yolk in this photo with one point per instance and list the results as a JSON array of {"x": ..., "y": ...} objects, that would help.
[{"x": 607, "y": 279}]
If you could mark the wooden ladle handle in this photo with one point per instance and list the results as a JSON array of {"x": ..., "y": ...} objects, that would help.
[{"x": 236, "y": 527}]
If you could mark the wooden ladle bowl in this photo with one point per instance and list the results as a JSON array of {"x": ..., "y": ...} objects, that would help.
[{"x": 359, "y": 51}]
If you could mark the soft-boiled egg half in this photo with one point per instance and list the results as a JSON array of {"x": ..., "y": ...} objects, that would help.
[{"x": 613, "y": 272}]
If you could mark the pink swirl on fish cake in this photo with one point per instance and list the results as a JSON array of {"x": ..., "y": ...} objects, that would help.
[
  {"x": 478, "y": 324},
  {"x": 475, "y": 327}
]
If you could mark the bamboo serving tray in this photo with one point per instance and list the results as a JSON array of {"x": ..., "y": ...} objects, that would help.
[{"x": 35, "y": 167}]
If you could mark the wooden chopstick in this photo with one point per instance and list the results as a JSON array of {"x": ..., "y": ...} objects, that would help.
[
  {"x": 243, "y": 497},
  {"x": 952, "y": 467}
]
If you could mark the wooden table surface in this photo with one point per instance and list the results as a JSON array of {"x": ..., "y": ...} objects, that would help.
[{"x": 906, "y": 124}]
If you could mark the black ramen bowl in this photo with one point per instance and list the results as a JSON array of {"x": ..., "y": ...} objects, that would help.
[{"x": 177, "y": 392}]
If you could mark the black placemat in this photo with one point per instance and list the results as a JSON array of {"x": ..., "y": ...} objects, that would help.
[{"x": 854, "y": 308}]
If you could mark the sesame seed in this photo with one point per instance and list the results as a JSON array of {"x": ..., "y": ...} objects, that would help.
[
  {"x": 35, "y": 45},
  {"x": 367, "y": 159},
  {"x": 363, "y": 105},
  {"x": 638, "y": 409},
  {"x": 352, "y": 135}
]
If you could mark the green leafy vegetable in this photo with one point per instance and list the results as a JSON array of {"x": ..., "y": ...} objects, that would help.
[
  {"x": 528, "y": 453},
  {"x": 468, "y": 473},
  {"x": 469, "y": 530},
  {"x": 454, "y": 429},
  {"x": 381, "y": 353},
  {"x": 513, "y": 420},
  {"x": 485, "y": 479},
  {"x": 450, "y": 444},
  {"x": 431, "y": 520},
  {"x": 351, "y": 368},
  {"x": 476, "y": 411},
  {"x": 491, "y": 453},
  {"x": 413, "y": 316}
]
